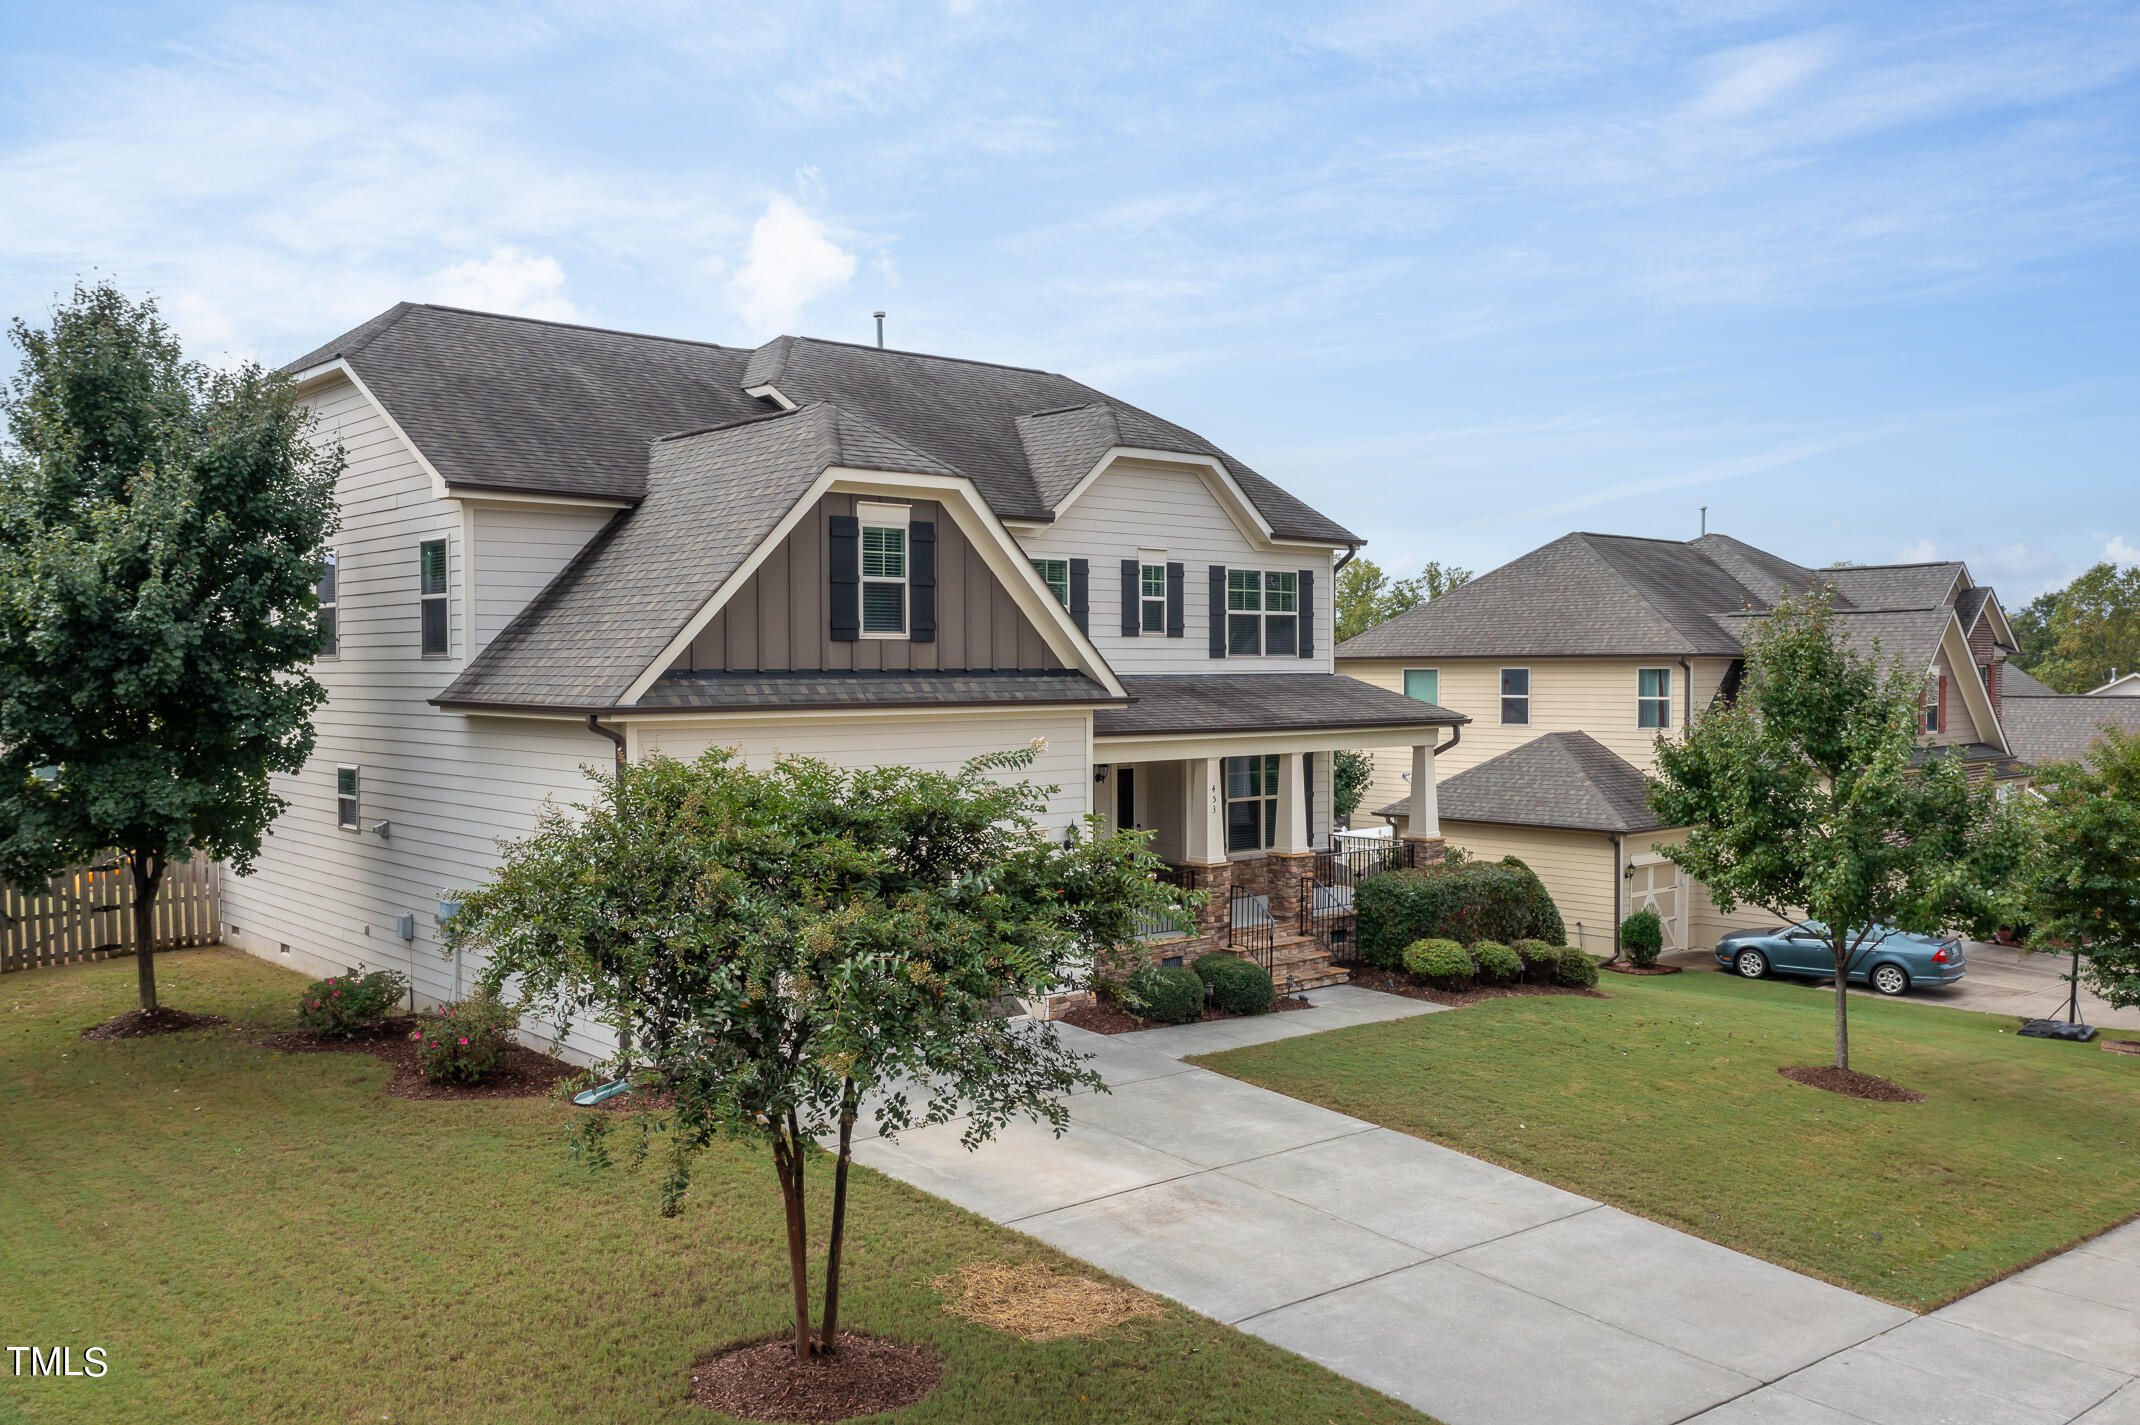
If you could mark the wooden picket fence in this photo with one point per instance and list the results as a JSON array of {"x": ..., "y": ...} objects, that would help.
[{"x": 87, "y": 914}]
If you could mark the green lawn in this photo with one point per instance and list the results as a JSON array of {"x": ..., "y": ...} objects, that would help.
[
  {"x": 265, "y": 1237},
  {"x": 1664, "y": 1100}
]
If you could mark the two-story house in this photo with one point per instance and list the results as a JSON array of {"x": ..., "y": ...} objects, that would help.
[
  {"x": 561, "y": 545},
  {"x": 1575, "y": 658}
]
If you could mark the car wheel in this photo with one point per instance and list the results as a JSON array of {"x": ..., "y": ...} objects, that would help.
[
  {"x": 1750, "y": 963},
  {"x": 1890, "y": 979}
]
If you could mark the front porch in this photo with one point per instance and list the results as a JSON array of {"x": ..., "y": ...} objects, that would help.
[{"x": 1231, "y": 775}]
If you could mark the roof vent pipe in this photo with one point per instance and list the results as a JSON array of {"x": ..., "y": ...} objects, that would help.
[{"x": 880, "y": 329}]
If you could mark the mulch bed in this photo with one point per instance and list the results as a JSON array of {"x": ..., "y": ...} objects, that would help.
[
  {"x": 527, "y": 1074},
  {"x": 2121, "y": 1046},
  {"x": 1851, "y": 1083},
  {"x": 142, "y": 1023},
  {"x": 763, "y": 1381},
  {"x": 1103, "y": 1018},
  {"x": 1394, "y": 982},
  {"x": 1642, "y": 969}
]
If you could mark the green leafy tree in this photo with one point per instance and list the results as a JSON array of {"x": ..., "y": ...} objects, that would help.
[
  {"x": 2092, "y": 631},
  {"x": 161, "y": 532},
  {"x": 786, "y": 951},
  {"x": 1807, "y": 797},
  {"x": 2032, "y": 629},
  {"x": 1350, "y": 772},
  {"x": 1366, "y": 596},
  {"x": 2084, "y": 888}
]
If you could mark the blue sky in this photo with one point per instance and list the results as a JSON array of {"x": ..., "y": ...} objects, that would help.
[{"x": 1466, "y": 275}]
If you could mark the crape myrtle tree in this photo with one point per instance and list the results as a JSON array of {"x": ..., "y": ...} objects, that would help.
[
  {"x": 787, "y": 950},
  {"x": 1808, "y": 796},
  {"x": 2084, "y": 886},
  {"x": 162, "y": 527}
]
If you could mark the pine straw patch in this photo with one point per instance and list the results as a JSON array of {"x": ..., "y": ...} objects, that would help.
[
  {"x": 1101, "y": 1017},
  {"x": 1851, "y": 1083},
  {"x": 142, "y": 1023},
  {"x": 1642, "y": 969},
  {"x": 762, "y": 1380},
  {"x": 527, "y": 1074},
  {"x": 1033, "y": 1301},
  {"x": 1398, "y": 982}
]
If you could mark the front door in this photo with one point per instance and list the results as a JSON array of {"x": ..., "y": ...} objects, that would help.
[
  {"x": 1125, "y": 798},
  {"x": 1657, "y": 887}
]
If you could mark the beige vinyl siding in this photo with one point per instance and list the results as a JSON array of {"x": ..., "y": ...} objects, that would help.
[
  {"x": 1576, "y": 867},
  {"x": 519, "y": 549},
  {"x": 449, "y": 785},
  {"x": 779, "y": 619},
  {"x": 1593, "y": 695},
  {"x": 1139, "y": 506},
  {"x": 932, "y": 742},
  {"x": 1959, "y": 727}
]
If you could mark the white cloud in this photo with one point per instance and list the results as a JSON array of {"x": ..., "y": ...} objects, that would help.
[
  {"x": 1750, "y": 78},
  {"x": 523, "y": 284},
  {"x": 1919, "y": 551},
  {"x": 2118, "y": 551},
  {"x": 791, "y": 261}
]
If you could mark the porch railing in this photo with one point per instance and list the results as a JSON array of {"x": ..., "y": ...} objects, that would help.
[
  {"x": 1250, "y": 930},
  {"x": 1326, "y": 908},
  {"x": 1162, "y": 925}
]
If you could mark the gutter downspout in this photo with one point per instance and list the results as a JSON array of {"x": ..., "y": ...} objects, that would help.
[
  {"x": 1618, "y": 874},
  {"x": 1458, "y": 729},
  {"x": 594, "y": 725},
  {"x": 1686, "y": 678},
  {"x": 1351, "y": 552}
]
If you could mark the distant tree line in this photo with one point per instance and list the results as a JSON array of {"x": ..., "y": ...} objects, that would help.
[{"x": 2073, "y": 639}]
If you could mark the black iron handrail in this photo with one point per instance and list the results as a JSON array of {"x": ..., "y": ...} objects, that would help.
[{"x": 1250, "y": 929}]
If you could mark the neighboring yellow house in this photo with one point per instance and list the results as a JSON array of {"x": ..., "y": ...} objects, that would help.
[{"x": 1572, "y": 661}]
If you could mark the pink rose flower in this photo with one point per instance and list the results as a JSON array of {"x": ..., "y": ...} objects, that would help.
[{"x": 464, "y": 1041}]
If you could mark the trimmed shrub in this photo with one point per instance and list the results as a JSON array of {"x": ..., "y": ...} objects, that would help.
[
  {"x": 465, "y": 1043},
  {"x": 347, "y": 1005},
  {"x": 1541, "y": 961},
  {"x": 1498, "y": 964},
  {"x": 1237, "y": 986},
  {"x": 1577, "y": 971},
  {"x": 1443, "y": 964},
  {"x": 1164, "y": 994},
  {"x": 1502, "y": 901},
  {"x": 1642, "y": 937}
]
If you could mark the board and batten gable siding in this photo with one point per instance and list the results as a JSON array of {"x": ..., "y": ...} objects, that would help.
[
  {"x": 448, "y": 785},
  {"x": 778, "y": 621},
  {"x": 1137, "y": 507},
  {"x": 932, "y": 742},
  {"x": 1593, "y": 695},
  {"x": 520, "y": 548}
]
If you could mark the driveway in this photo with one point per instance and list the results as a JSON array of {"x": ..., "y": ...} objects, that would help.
[
  {"x": 2001, "y": 980},
  {"x": 1486, "y": 1298}
]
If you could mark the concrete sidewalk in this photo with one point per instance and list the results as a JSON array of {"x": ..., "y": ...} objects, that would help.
[{"x": 1486, "y": 1298}]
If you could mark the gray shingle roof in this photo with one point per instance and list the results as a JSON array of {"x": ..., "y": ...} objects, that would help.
[
  {"x": 2061, "y": 727},
  {"x": 1262, "y": 702},
  {"x": 1969, "y": 605},
  {"x": 2013, "y": 683},
  {"x": 698, "y": 691},
  {"x": 1564, "y": 780},
  {"x": 510, "y": 403},
  {"x": 712, "y": 497},
  {"x": 1895, "y": 586},
  {"x": 1907, "y": 636}
]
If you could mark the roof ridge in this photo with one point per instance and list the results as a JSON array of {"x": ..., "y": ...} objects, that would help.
[
  {"x": 1644, "y": 538},
  {"x": 1643, "y": 598},
  {"x": 574, "y": 326},
  {"x": 932, "y": 356},
  {"x": 1916, "y": 564},
  {"x": 758, "y": 419}
]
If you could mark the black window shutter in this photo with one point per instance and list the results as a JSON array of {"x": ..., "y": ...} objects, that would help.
[
  {"x": 1174, "y": 600},
  {"x": 844, "y": 533},
  {"x": 1132, "y": 597},
  {"x": 1081, "y": 595},
  {"x": 1218, "y": 611},
  {"x": 1307, "y": 793},
  {"x": 1307, "y": 613},
  {"x": 921, "y": 581}
]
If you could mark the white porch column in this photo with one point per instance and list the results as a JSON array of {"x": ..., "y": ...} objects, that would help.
[
  {"x": 1292, "y": 805},
  {"x": 1423, "y": 819},
  {"x": 1204, "y": 811}
]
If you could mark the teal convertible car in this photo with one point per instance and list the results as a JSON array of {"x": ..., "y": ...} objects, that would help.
[{"x": 1891, "y": 964}]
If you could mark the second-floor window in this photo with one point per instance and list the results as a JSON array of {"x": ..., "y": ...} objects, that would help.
[
  {"x": 1251, "y": 802},
  {"x": 884, "y": 580},
  {"x": 1152, "y": 597},
  {"x": 1424, "y": 684},
  {"x": 345, "y": 798},
  {"x": 330, "y": 608},
  {"x": 1262, "y": 612},
  {"x": 1935, "y": 712},
  {"x": 1653, "y": 697},
  {"x": 1516, "y": 697},
  {"x": 431, "y": 595},
  {"x": 1055, "y": 573}
]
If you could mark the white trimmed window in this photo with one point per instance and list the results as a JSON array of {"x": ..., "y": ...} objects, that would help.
[
  {"x": 1152, "y": 597},
  {"x": 1262, "y": 612},
  {"x": 1653, "y": 697},
  {"x": 884, "y": 570},
  {"x": 1935, "y": 710},
  {"x": 1055, "y": 573},
  {"x": 346, "y": 809},
  {"x": 1516, "y": 697},
  {"x": 1251, "y": 802},
  {"x": 431, "y": 596},
  {"x": 330, "y": 609},
  {"x": 1424, "y": 684}
]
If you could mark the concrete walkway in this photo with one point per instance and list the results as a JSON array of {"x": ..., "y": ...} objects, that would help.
[{"x": 1486, "y": 1298}]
